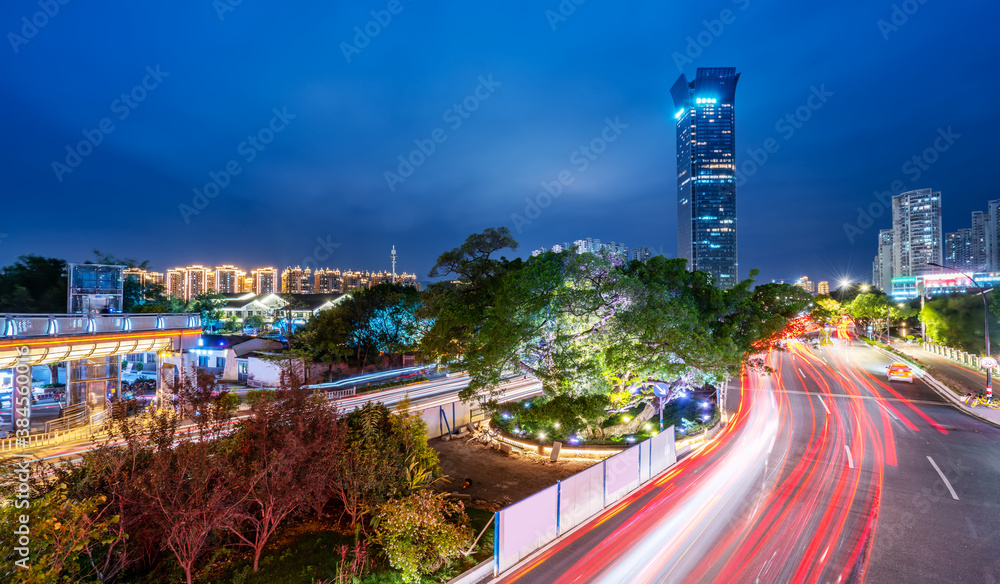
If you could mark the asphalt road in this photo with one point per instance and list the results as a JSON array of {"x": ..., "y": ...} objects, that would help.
[
  {"x": 828, "y": 473},
  {"x": 972, "y": 379}
]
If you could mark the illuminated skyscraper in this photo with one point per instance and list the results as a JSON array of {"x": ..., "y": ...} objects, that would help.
[{"x": 706, "y": 172}]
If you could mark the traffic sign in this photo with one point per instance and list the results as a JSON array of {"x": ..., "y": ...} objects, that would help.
[
  {"x": 660, "y": 389},
  {"x": 987, "y": 362}
]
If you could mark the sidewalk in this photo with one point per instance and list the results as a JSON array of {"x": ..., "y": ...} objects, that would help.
[{"x": 955, "y": 397}]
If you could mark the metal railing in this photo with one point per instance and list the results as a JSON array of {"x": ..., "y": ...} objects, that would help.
[
  {"x": 73, "y": 416},
  {"x": 16, "y": 326},
  {"x": 341, "y": 393},
  {"x": 45, "y": 438}
]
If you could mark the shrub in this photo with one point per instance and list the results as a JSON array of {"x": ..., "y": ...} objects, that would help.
[{"x": 422, "y": 532}]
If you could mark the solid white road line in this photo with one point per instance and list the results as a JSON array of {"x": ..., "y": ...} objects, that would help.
[
  {"x": 888, "y": 411},
  {"x": 824, "y": 404},
  {"x": 943, "y": 478},
  {"x": 850, "y": 461}
]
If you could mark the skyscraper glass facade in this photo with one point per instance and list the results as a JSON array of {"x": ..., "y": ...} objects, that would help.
[{"x": 706, "y": 172}]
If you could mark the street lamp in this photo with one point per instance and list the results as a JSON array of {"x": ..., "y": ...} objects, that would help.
[{"x": 986, "y": 317}]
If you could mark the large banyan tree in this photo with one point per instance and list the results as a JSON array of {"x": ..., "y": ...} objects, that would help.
[{"x": 588, "y": 324}]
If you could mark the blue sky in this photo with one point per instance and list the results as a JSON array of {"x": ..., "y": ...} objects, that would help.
[{"x": 215, "y": 74}]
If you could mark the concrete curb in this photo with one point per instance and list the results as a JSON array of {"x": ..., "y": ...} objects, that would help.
[{"x": 941, "y": 389}]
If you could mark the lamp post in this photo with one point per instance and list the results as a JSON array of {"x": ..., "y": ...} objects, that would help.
[{"x": 986, "y": 317}]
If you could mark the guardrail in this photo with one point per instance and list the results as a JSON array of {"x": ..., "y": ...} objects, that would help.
[
  {"x": 340, "y": 393},
  {"x": 16, "y": 326},
  {"x": 45, "y": 438},
  {"x": 73, "y": 416},
  {"x": 956, "y": 355}
]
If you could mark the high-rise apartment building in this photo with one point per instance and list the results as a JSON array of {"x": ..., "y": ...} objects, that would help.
[
  {"x": 958, "y": 252},
  {"x": 296, "y": 280},
  {"x": 228, "y": 279},
  {"x": 823, "y": 288},
  {"x": 991, "y": 233},
  {"x": 326, "y": 281},
  {"x": 916, "y": 232},
  {"x": 351, "y": 280},
  {"x": 706, "y": 172},
  {"x": 640, "y": 253},
  {"x": 176, "y": 282},
  {"x": 265, "y": 280},
  {"x": 977, "y": 241},
  {"x": 198, "y": 281},
  {"x": 806, "y": 285},
  {"x": 882, "y": 266}
]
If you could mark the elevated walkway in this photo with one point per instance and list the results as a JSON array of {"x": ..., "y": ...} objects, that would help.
[{"x": 54, "y": 338}]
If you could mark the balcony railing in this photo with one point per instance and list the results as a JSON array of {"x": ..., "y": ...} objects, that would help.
[{"x": 16, "y": 326}]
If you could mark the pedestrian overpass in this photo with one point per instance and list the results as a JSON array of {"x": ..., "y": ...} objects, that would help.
[{"x": 92, "y": 345}]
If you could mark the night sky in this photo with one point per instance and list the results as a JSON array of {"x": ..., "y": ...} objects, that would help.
[{"x": 533, "y": 82}]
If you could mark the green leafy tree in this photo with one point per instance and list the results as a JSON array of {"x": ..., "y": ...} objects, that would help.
[
  {"x": 454, "y": 309},
  {"x": 957, "y": 321},
  {"x": 34, "y": 284},
  {"x": 255, "y": 321},
  {"x": 382, "y": 455},
  {"x": 421, "y": 532},
  {"x": 208, "y": 304},
  {"x": 57, "y": 531},
  {"x": 826, "y": 311}
]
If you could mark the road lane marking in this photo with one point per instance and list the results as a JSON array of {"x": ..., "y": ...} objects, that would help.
[
  {"x": 850, "y": 461},
  {"x": 824, "y": 404},
  {"x": 888, "y": 411},
  {"x": 943, "y": 478},
  {"x": 802, "y": 372},
  {"x": 769, "y": 448}
]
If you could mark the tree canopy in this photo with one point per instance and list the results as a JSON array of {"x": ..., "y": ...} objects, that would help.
[{"x": 593, "y": 324}]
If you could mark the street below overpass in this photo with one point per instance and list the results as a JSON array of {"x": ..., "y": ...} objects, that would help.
[{"x": 826, "y": 473}]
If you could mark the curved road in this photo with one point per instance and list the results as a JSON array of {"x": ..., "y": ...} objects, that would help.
[{"x": 827, "y": 473}]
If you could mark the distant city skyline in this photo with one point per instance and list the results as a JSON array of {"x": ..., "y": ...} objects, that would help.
[{"x": 283, "y": 148}]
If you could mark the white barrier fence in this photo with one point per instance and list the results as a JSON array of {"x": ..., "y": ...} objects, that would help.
[
  {"x": 530, "y": 524},
  {"x": 955, "y": 355}
]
